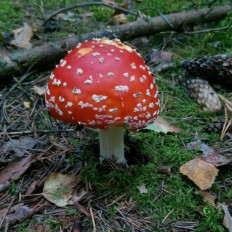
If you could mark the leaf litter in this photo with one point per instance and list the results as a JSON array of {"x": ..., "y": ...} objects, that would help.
[{"x": 19, "y": 147}]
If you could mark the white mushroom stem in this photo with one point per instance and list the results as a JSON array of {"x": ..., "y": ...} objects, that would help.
[{"x": 112, "y": 144}]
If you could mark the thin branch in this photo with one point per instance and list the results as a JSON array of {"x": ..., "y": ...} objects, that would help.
[
  {"x": 86, "y": 5},
  {"x": 207, "y": 30},
  {"x": 45, "y": 56},
  {"x": 35, "y": 131}
]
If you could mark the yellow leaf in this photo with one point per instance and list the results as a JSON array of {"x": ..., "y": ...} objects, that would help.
[
  {"x": 200, "y": 172},
  {"x": 27, "y": 104}
]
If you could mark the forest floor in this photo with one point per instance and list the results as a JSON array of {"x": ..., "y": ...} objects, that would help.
[{"x": 151, "y": 193}]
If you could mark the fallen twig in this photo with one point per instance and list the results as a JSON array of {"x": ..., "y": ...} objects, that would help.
[
  {"x": 35, "y": 131},
  {"x": 218, "y": 29},
  {"x": 42, "y": 56},
  {"x": 89, "y": 4}
]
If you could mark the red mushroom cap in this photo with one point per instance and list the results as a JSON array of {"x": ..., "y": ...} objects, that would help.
[{"x": 103, "y": 83}]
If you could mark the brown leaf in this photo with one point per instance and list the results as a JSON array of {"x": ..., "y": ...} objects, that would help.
[
  {"x": 118, "y": 19},
  {"x": 18, "y": 146},
  {"x": 6, "y": 210},
  {"x": 200, "y": 172},
  {"x": 20, "y": 212},
  {"x": 208, "y": 197},
  {"x": 161, "y": 57},
  {"x": 164, "y": 170},
  {"x": 34, "y": 185},
  {"x": 82, "y": 209},
  {"x": 210, "y": 154},
  {"x": 22, "y": 37},
  {"x": 161, "y": 125},
  {"x": 15, "y": 169},
  {"x": 118, "y": 11}
]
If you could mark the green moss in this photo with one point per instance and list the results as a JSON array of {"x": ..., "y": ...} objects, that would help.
[
  {"x": 211, "y": 220},
  {"x": 11, "y": 15}
]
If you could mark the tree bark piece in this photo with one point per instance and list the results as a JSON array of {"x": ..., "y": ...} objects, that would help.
[{"x": 45, "y": 56}]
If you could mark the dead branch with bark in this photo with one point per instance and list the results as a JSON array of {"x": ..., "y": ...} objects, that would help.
[{"x": 45, "y": 56}]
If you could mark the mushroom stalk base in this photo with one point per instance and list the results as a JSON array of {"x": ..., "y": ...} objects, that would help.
[{"x": 112, "y": 144}]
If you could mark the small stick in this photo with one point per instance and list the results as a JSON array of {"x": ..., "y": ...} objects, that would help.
[
  {"x": 89, "y": 4},
  {"x": 206, "y": 30},
  {"x": 93, "y": 220},
  {"x": 34, "y": 131}
]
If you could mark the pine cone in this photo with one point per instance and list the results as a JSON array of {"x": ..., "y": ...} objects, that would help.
[
  {"x": 201, "y": 91},
  {"x": 215, "y": 126},
  {"x": 216, "y": 69}
]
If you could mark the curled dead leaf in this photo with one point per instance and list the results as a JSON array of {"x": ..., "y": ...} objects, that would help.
[
  {"x": 208, "y": 197},
  {"x": 22, "y": 37},
  {"x": 19, "y": 212},
  {"x": 210, "y": 155},
  {"x": 227, "y": 220},
  {"x": 15, "y": 169},
  {"x": 18, "y": 147}
]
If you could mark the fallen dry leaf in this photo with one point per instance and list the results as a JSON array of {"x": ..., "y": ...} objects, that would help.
[
  {"x": 161, "y": 125},
  {"x": 22, "y": 37},
  {"x": 164, "y": 170},
  {"x": 18, "y": 146},
  {"x": 118, "y": 19},
  {"x": 81, "y": 208},
  {"x": 6, "y": 210},
  {"x": 40, "y": 90},
  {"x": 227, "y": 220},
  {"x": 58, "y": 188},
  {"x": 20, "y": 212},
  {"x": 27, "y": 104},
  {"x": 161, "y": 57},
  {"x": 210, "y": 155},
  {"x": 33, "y": 186},
  {"x": 200, "y": 172},
  {"x": 208, "y": 197},
  {"x": 15, "y": 169}
]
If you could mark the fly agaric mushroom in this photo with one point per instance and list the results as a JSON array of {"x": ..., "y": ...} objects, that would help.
[{"x": 104, "y": 84}]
